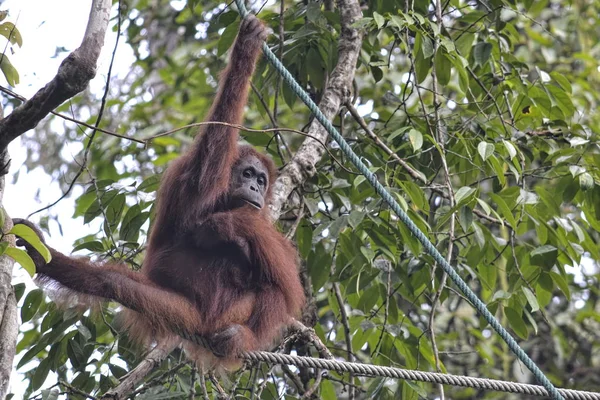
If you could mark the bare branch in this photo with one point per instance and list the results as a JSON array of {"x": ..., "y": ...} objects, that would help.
[
  {"x": 308, "y": 335},
  {"x": 302, "y": 165},
  {"x": 73, "y": 76},
  {"x": 418, "y": 176},
  {"x": 132, "y": 379},
  {"x": 9, "y": 327}
]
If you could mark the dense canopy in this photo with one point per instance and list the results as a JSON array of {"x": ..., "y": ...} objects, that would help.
[{"x": 480, "y": 117}]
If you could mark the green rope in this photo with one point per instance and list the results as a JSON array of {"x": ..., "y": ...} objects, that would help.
[{"x": 387, "y": 197}]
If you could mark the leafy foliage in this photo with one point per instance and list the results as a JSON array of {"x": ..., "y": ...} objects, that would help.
[
  {"x": 492, "y": 111},
  {"x": 12, "y": 34}
]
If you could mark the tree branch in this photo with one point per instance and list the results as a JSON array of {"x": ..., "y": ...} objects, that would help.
[
  {"x": 9, "y": 327},
  {"x": 302, "y": 165},
  {"x": 73, "y": 76},
  {"x": 131, "y": 380}
]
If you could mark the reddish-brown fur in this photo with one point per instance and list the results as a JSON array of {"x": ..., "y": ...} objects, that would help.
[{"x": 207, "y": 266}]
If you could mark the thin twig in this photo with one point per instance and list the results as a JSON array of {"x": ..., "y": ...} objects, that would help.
[
  {"x": 313, "y": 388},
  {"x": 98, "y": 118},
  {"x": 411, "y": 171},
  {"x": 347, "y": 336},
  {"x": 244, "y": 128},
  {"x": 193, "y": 374},
  {"x": 309, "y": 335},
  {"x": 441, "y": 139},
  {"x": 203, "y": 386},
  {"x": 74, "y": 390},
  {"x": 71, "y": 119},
  {"x": 221, "y": 394},
  {"x": 277, "y": 136}
]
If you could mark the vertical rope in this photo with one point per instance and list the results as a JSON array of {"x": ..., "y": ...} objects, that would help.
[{"x": 387, "y": 197}]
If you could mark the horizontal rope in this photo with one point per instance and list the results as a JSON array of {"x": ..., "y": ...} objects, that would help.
[
  {"x": 412, "y": 227},
  {"x": 370, "y": 370},
  {"x": 412, "y": 375}
]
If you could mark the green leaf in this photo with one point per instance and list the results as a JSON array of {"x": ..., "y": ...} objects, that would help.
[
  {"x": 40, "y": 374},
  {"x": 29, "y": 235},
  {"x": 93, "y": 246},
  {"x": 101, "y": 202},
  {"x": 22, "y": 258},
  {"x": 31, "y": 304},
  {"x": 397, "y": 21},
  {"x": 289, "y": 96},
  {"x": 76, "y": 354},
  {"x": 489, "y": 275},
  {"x": 192, "y": 3},
  {"x": 544, "y": 256},
  {"x": 426, "y": 46},
  {"x": 315, "y": 263},
  {"x": 485, "y": 150},
  {"x": 562, "y": 99},
  {"x": 227, "y": 38},
  {"x": 482, "y": 52},
  {"x": 498, "y": 169},
  {"x": 416, "y": 387},
  {"x": 416, "y": 139},
  {"x": 19, "y": 290},
  {"x": 377, "y": 73},
  {"x": 531, "y": 321},
  {"x": 315, "y": 69},
  {"x": 313, "y": 11},
  {"x": 479, "y": 236},
  {"x": 512, "y": 151},
  {"x": 562, "y": 81},
  {"x": 115, "y": 209},
  {"x": 397, "y": 132},
  {"x": 464, "y": 44},
  {"x": 130, "y": 228},
  {"x": 562, "y": 283},
  {"x": 422, "y": 67},
  {"x": 355, "y": 218},
  {"x": 83, "y": 203},
  {"x": 379, "y": 19},
  {"x": 516, "y": 322},
  {"x": 505, "y": 211},
  {"x": 150, "y": 184},
  {"x": 586, "y": 181},
  {"x": 531, "y": 299},
  {"x": 465, "y": 218},
  {"x": 443, "y": 67},
  {"x": 535, "y": 7},
  {"x": 10, "y": 73},
  {"x": 50, "y": 394},
  {"x": 9, "y": 31},
  {"x": 304, "y": 239},
  {"x": 463, "y": 194},
  {"x": 485, "y": 206},
  {"x": 543, "y": 290},
  {"x": 327, "y": 391},
  {"x": 117, "y": 371}
]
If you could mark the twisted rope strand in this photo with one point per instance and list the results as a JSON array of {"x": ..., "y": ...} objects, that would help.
[
  {"x": 387, "y": 197},
  {"x": 412, "y": 375},
  {"x": 370, "y": 370}
]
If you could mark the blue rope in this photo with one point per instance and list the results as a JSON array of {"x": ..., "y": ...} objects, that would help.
[{"x": 387, "y": 197}]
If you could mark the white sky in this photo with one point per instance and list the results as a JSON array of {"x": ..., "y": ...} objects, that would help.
[{"x": 44, "y": 26}]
